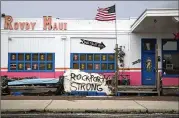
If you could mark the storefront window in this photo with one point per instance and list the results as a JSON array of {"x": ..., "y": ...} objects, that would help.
[
  {"x": 31, "y": 62},
  {"x": 20, "y": 66},
  {"x": 35, "y": 57},
  {"x": 13, "y": 66},
  {"x": 97, "y": 66},
  {"x": 103, "y": 57},
  {"x": 170, "y": 64},
  {"x": 89, "y": 66},
  {"x": 170, "y": 58},
  {"x": 13, "y": 57},
  {"x": 111, "y": 57},
  {"x": 93, "y": 62},
  {"x": 42, "y": 57},
  {"x": 111, "y": 66},
  {"x": 49, "y": 57},
  {"x": 20, "y": 57},
  {"x": 83, "y": 66},
  {"x": 35, "y": 66},
  {"x": 90, "y": 57},
  {"x": 49, "y": 66},
  {"x": 96, "y": 57},
  {"x": 42, "y": 66},
  {"x": 28, "y": 57},
  {"x": 27, "y": 66},
  {"x": 83, "y": 57},
  {"x": 169, "y": 45},
  {"x": 103, "y": 66},
  {"x": 75, "y": 57},
  {"x": 75, "y": 65}
]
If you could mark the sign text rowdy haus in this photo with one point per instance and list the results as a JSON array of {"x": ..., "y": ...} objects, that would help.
[{"x": 48, "y": 24}]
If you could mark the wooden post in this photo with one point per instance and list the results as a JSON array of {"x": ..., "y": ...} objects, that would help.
[
  {"x": 156, "y": 70},
  {"x": 117, "y": 69}
]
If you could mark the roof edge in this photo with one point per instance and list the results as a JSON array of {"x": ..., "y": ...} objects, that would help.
[
  {"x": 139, "y": 17},
  {"x": 153, "y": 9}
]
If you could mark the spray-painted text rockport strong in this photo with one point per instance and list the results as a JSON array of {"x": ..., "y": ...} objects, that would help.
[
  {"x": 26, "y": 25},
  {"x": 91, "y": 83}
]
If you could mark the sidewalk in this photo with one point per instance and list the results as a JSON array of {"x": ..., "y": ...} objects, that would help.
[{"x": 105, "y": 106}]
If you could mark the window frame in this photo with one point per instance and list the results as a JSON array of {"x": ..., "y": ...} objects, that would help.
[
  {"x": 31, "y": 62},
  {"x": 93, "y": 62},
  {"x": 169, "y": 52}
]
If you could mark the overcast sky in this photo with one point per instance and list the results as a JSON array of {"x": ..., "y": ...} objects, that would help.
[{"x": 79, "y": 9}]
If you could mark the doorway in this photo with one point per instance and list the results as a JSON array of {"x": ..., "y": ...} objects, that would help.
[{"x": 148, "y": 61}]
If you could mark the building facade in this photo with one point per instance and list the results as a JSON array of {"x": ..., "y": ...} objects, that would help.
[{"x": 46, "y": 47}]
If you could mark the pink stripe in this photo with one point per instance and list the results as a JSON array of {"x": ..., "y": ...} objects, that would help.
[
  {"x": 170, "y": 81},
  {"x": 135, "y": 77},
  {"x": 36, "y": 74}
]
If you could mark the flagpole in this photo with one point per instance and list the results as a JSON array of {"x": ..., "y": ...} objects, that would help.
[{"x": 116, "y": 57}]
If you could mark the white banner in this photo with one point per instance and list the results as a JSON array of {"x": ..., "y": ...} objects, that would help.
[{"x": 76, "y": 80}]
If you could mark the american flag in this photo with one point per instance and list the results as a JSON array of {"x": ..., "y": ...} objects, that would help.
[{"x": 106, "y": 14}]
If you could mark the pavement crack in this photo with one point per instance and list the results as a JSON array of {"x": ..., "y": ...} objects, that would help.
[
  {"x": 141, "y": 105},
  {"x": 48, "y": 105}
]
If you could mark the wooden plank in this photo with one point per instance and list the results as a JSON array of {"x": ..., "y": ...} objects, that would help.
[
  {"x": 157, "y": 73},
  {"x": 170, "y": 87},
  {"x": 137, "y": 87},
  {"x": 137, "y": 91}
]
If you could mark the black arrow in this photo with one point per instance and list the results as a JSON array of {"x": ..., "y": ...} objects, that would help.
[{"x": 94, "y": 44}]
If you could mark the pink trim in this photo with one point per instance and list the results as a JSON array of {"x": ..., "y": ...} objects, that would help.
[
  {"x": 135, "y": 77},
  {"x": 170, "y": 81},
  {"x": 36, "y": 74}
]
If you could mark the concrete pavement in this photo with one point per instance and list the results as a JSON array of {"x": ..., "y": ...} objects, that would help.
[{"x": 107, "y": 106}]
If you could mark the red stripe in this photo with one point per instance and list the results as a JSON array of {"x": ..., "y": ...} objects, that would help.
[
  {"x": 106, "y": 13},
  {"x": 98, "y": 15},
  {"x": 99, "y": 18},
  {"x": 104, "y": 19},
  {"x": 103, "y": 15}
]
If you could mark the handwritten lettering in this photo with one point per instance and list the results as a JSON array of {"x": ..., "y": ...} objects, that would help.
[
  {"x": 75, "y": 80},
  {"x": 75, "y": 86},
  {"x": 47, "y": 24},
  {"x": 90, "y": 78}
]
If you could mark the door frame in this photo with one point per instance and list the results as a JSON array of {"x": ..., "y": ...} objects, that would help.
[{"x": 142, "y": 57}]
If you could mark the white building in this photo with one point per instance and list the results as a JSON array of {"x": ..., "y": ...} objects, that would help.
[{"x": 27, "y": 49}]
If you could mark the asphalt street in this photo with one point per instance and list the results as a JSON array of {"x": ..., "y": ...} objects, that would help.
[{"x": 85, "y": 115}]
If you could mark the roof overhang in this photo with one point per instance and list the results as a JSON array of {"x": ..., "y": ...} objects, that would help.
[{"x": 157, "y": 20}]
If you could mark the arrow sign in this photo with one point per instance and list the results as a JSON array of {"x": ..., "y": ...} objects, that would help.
[{"x": 94, "y": 44}]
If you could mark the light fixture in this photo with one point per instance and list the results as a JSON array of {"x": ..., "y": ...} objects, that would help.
[
  {"x": 9, "y": 38},
  {"x": 3, "y": 15}
]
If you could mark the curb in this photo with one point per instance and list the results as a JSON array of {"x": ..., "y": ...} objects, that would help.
[{"x": 110, "y": 111}]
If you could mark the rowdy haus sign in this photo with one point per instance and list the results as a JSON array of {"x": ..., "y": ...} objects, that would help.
[
  {"x": 75, "y": 80},
  {"x": 47, "y": 24}
]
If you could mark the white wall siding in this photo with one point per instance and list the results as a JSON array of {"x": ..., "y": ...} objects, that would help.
[
  {"x": 50, "y": 41},
  {"x": 4, "y": 50}
]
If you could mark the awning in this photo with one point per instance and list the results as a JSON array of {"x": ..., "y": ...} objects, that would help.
[{"x": 157, "y": 20}]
